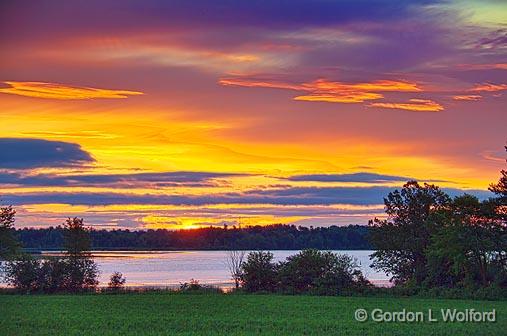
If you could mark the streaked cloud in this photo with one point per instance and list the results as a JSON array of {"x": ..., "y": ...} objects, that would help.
[
  {"x": 417, "y": 105},
  {"x": 168, "y": 53},
  {"x": 467, "y": 97},
  {"x": 77, "y": 134},
  {"x": 251, "y": 82},
  {"x": 338, "y": 92},
  {"x": 176, "y": 217},
  {"x": 354, "y": 177},
  {"x": 488, "y": 87},
  {"x": 361, "y": 196},
  {"x": 323, "y": 90},
  {"x": 62, "y": 91},
  {"x": 134, "y": 180},
  {"x": 501, "y": 66}
]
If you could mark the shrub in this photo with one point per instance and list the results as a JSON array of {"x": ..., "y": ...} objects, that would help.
[
  {"x": 23, "y": 273},
  {"x": 117, "y": 281},
  {"x": 52, "y": 275},
  {"x": 28, "y": 274},
  {"x": 192, "y": 285},
  {"x": 259, "y": 272},
  {"x": 320, "y": 272},
  {"x": 81, "y": 274},
  {"x": 195, "y": 287}
]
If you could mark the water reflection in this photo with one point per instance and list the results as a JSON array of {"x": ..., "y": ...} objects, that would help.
[{"x": 170, "y": 268}]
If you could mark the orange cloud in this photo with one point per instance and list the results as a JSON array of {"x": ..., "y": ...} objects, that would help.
[
  {"x": 467, "y": 97},
  {"x": 337, "y": 92},
  {"x": 329, "y": 91},
  {"x": 419, "y": 105},
  {"x": 351, "y": 97},
  {"x": 380, "y": 85},
  {"x": 502, "y": 66},
  {"x": 260, "y": 83},
  {"x": 61, "y": 91},
  {"x": 488, "y": 87}
]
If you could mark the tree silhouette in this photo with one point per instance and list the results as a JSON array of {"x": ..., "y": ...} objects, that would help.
[
  {"x": 81, "y": 269},
  {"x": 402, "y": 239},
  {"x": 76, "y": 237},
  {"x": 234, "y": 262},
  {"x": 259, "y": 272},
  {"x": 9, "y": 245},
  {"x": 117, "y": 281},
  {"x": 500, "y": 189}
]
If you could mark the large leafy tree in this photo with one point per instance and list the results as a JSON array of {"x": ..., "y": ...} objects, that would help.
[
  {"x": 500, "y": 212},
  {"x": 81, "y": 269},
  {"x": 259, "y": 272},
  {"x": 76, "y": 237},
  {"x": 500, "y": 189},
  {"x": 9, "y": 245},
  {"x": 471, "y": 248},
  {"x": 401, "y": 240}
]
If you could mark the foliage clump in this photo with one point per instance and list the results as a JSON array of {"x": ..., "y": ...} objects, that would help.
[
  {"x": 310, "y": 271},
  {"x": 116, "y": 281},
  {"x": 76, "y": 271},
  {"x": 195, "y": 287}
]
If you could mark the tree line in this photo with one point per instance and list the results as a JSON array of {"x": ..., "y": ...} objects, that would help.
[{"x": 273, "y": 237}]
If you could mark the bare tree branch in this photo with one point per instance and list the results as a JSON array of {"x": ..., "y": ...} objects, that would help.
[{"x": 234, "y": 262}]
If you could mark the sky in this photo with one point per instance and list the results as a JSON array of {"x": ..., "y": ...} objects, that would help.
[{"x": 183, "y": 114}]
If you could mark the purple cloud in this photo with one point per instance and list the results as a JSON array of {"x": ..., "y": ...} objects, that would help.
[{"x": 32, "y": 153}]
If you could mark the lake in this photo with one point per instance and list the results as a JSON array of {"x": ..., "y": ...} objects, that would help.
[{"x": 170, "y": 268}]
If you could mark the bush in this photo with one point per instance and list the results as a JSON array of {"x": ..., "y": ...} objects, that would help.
[
  {"x": 81, "y": 273},
  {"x": 195, "y": 287},
  {"x": 259, "y": 273},
  {"x": 52, "y": 275},
  {"x": 192, "y": 285},
  {"x": 28, "y": 274},
  {"x": 23, "y": 274},
  {"x": 309, "y": 271},
  {"x": 117, "y": 281},
  {"x": 319, "y": 272}
]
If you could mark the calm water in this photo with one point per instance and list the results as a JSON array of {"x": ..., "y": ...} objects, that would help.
[
  {"x": 209, "y": 267},
  {"x": 170, "y": 268}
]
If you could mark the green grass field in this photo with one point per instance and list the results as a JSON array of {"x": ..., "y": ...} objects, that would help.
[{"x": 187, "y": 314}]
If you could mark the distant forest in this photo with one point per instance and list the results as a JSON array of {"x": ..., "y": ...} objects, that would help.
[{"x": 274, "y": 237}]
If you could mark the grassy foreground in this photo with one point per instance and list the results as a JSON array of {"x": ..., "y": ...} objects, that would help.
[{"x": 187, "y": 314}]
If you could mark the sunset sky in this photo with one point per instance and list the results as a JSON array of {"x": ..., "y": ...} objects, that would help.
[{"x": 180, "y": 114}]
